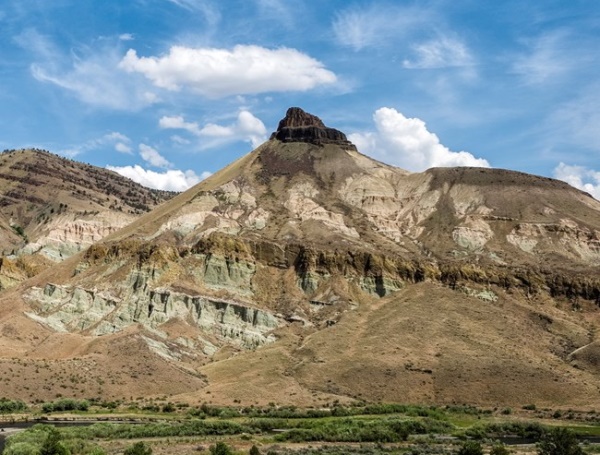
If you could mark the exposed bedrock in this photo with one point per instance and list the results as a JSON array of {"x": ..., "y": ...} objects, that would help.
[
  {"x": 74, "y": 309},
  {"x": 299, "y": 126}
]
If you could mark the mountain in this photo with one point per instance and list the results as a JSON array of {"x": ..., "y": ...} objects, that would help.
[
  {"x": 306, "y": 272},
  {"x": 52, "y": 208}
]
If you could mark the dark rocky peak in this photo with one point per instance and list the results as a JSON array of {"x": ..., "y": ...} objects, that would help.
[
  {"x": 296, "y": 117},
  {"x": 300, "y": 126}
]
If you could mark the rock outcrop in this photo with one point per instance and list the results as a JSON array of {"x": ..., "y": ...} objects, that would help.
[
  {"x": 74, "y": 309},
  {"x": 299, "y": 126}
]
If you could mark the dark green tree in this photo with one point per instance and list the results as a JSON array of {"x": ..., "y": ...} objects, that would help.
[
  {"x": 52, "y": 444},
  {"x": 499, "y": 449},
  {"x": 470, "y": 448},
  {"x": 139, "y": 448},
  {"x": 254, "y": 450},
  {"x": 220, "y": 448},
  {"x": 559, "y": 441},
  {"x": 169, "y": 407}
]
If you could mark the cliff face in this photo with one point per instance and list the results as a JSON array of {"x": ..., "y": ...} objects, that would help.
[
  {"x": 336, "y": 275},
  {"x": 299, "y": 126},
  {"x": 75, "y": 309}
]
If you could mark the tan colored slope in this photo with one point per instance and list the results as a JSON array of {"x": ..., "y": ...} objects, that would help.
[
  {"x": 425, "y": 344},
  {"x": 121, "y": 367},
  {"x": 148, "y": 224}
]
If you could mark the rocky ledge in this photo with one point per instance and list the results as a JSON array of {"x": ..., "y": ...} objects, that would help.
[{"x": 300, "y": 126}]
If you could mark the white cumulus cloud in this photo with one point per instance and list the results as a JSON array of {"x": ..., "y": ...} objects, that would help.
[
  {"x": 153, "y": 157},
  {"x": 217, "y": 73},
  {"x": 246, "y": 128},
  {"x": 170, "y": 180},
  {"x": 178, "y": 122},
  {"x": 407, "y": 143},
  {"x": 580, "y": 177}
]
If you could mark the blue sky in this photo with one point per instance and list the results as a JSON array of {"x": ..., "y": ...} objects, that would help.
[{"x": 169, "y": 91}]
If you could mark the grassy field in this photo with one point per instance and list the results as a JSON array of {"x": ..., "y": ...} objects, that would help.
[{"x": 360, "y": 429}]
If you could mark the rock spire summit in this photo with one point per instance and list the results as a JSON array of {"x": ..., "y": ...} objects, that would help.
[{"x": 300, "y": 126}]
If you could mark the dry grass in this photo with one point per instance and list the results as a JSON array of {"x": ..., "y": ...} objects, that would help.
[{"x": 425, "y": 344}]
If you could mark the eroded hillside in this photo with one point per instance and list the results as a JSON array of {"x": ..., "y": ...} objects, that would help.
[
  {"x": 52, "y": 208},
  {"x": 306, "y": 270}
]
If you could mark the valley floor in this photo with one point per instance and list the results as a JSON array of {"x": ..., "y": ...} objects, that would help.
[{"x": 364, "y": 429}]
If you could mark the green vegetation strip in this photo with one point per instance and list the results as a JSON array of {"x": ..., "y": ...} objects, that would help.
[
  {"x": 359, "y": 430},
  {"x": 342, "y": 425},
  {"x": 9, "y": 406}
]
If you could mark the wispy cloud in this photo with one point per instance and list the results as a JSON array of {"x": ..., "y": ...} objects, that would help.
[
  {"x": 118, "y": 137},
  {"x": 121, "y": 142},
  {"x": 180, "y": 140},
  {"x": 207, "y": 8},
  {"x": 222, "y": 72},
  {"x": 38, "y": 44},
  {"x": 407, "y": 143},
  {"x": 547, "y": 58},
  {"x": 114, "y": 140},
  {"x": 90, "y": 74},
  {"x": 373, "y": 26},
  {"x": 94, "y": 83},
  {"x": 284, "y": 12},
  {"x": 246, "y": 128},
  {"x": 443, "y": 52},
  {"x": 123, "y": 148},
  {"x": 573, "y": 124}
]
